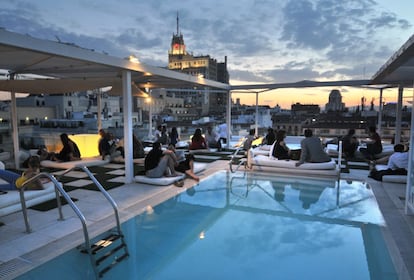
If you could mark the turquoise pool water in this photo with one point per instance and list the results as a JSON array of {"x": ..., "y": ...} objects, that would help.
[{"x": 247, "y": 226}]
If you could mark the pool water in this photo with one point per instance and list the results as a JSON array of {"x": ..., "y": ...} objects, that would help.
[{"x": 250, "y": 226}]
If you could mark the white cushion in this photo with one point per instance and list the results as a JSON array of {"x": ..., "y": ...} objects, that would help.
[
  {"x": 93, "y": 161},
  {"x": 10, "y": 202},
  {"x": 163, "y": 181}
]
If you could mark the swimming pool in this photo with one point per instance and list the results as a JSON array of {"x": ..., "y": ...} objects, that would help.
[{"x": 250, "y": 226}]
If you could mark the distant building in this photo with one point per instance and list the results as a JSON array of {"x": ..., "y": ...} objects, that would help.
[
  {"x": 206, "y": 102},
  {"x": 335, "y": 103}
]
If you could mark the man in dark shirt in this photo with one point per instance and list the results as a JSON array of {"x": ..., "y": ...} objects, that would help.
[{"x": 160, "y": 163}]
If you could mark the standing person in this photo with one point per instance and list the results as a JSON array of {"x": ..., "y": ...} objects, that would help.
[
  {"x": 174, "y": 137},
  {"x": 198, "y": 141},
  {"x": 160, "y": 163},
  {"x": 312, "y": 149},
  {"x": 15, "y": 181},
  {"x": 212, "y": 139},
  {"x": 270, "y": 137},
  {"x": 223, "y": 133},
  {"x": 374, "y": 145},
  {"x": 70, "y": 150},
  {"x": 349, "y": 144}
]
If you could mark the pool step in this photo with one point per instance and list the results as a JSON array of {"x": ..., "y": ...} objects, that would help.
[{"x": 107, "y": 252}]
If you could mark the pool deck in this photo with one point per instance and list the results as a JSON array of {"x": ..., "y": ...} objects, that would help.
[{"x": 20, "y": 252}]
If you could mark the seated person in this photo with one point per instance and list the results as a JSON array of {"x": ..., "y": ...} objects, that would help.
[
  {"x": 397, "y": 164},
  {"x": 15, "y": 181},
  {"x": 249, "y": 140},
  {"x": 349, "y": 144},
  {"x": 280, "y": 150},
  {"x": 312, "y": 150},
  {"x": 212, "y": 139},
  {"x": 69, "y": 152},
  {"x": 138, "y": 148},
  {"x": 270, "y": 137},
  {"x": 159, "y": 163},
  {"x": 104, "y": 144},
  {"x": 187, "y": 166},
  {"x": 374, "y": 145},
  {"x": 197, "y": 141}
]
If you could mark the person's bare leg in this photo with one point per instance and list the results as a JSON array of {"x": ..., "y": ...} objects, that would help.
[{"x": 190, "y": 171}]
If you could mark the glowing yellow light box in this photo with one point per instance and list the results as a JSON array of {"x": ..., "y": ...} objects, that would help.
[{"x": 87, "y": 144}]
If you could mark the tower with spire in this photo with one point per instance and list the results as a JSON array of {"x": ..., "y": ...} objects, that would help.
[
  {"x": 201, "y": 104},
  {"x": 177, "y": 42}
]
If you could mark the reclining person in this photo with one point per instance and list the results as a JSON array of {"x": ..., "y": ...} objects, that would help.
[{"x": 397, "y": 164}]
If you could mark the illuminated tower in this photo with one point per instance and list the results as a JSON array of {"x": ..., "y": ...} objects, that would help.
[
  {"x": 199, "y": 103},
  {"x": 177, "y": 43}
]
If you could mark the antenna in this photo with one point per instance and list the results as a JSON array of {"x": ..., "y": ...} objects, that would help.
[{"x": 177, "y": 24}]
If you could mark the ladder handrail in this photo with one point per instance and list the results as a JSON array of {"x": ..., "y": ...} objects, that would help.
[
  {"x": 101, "y": 189},
  {"x": 58, "y": 189},
  {"x": 239, "y": 148}
]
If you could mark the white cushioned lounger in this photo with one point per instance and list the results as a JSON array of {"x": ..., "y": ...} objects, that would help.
[
  {"x": 165, "y": 181},
  {"x": 93, "y": 161},
  {"x": 10, "y": 202},
  {"x": 400, "y": 179},
  {"x": 288, "y": 166}
]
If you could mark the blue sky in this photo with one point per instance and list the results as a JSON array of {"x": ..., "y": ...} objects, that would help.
[{"x": 264, "y": 41}]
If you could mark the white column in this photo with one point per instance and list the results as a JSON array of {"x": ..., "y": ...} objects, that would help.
[
  {"x": 409, "y": 197},
  {"x": 99, "y": 108},
  {"x": 15, "y": 130},
  {"x": 150, "y": 136},
  {"x": 127, "y": 113},
  {"x": 256, "y": 130},
  {"x": 228, "y": 120},
  {"x": 398, "y": 115},
  {"x": 380, "y": 113}
]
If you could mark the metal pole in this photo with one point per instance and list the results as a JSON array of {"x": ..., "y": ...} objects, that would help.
[
  {"x": 256, "y": 132},
  {"x": 399, "y": 115},
  {"x": 127, "y": 113},
  {"x": 380, "y": 113}
]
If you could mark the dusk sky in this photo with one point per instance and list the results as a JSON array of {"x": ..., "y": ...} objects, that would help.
[{"x": 265, "y": 41}]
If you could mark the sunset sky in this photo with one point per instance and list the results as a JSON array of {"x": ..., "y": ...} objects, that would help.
[{"x": 265, "y": 41}]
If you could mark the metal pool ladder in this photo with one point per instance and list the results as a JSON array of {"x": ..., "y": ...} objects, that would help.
[
  {"x": 109, "y": 250},
  {"x": 104, "y": 253}
]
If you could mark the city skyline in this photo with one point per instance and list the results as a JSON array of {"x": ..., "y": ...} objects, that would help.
[{"x": 265, "y": 41}]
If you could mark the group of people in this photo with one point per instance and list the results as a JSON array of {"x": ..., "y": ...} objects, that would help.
[
  {"x": 164, "y": 137},
  {"x": 108, "y": 146},
  {"x": 211, "y": 138},
  {"x": 311, "y": 149}
]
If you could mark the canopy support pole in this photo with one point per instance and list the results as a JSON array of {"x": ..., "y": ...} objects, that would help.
[{"x": 128, "y": 129}]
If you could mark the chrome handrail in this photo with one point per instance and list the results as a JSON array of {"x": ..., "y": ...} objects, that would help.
[{"x": 101, "y": 189}]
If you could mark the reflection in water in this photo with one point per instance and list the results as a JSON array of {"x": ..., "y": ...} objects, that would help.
[{"x": 309, "y": 194}]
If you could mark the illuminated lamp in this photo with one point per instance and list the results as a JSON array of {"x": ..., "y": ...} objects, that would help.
[{"x": 87, "y": 144}]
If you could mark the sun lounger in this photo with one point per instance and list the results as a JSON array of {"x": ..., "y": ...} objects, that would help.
[
  {"x": 10, "y": 201},
  {"x": 266, "y": 163},
  {"x": 165, "y": 181},
  {"x": 400, "y": 179},
  {"x": 93, "y": 161}
]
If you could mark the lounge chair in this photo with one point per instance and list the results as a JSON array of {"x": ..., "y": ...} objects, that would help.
[
  {"x": 165, "y": 181},
  {"x": 400, "y": 179},
  {"x": 92, "y": 161}
]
